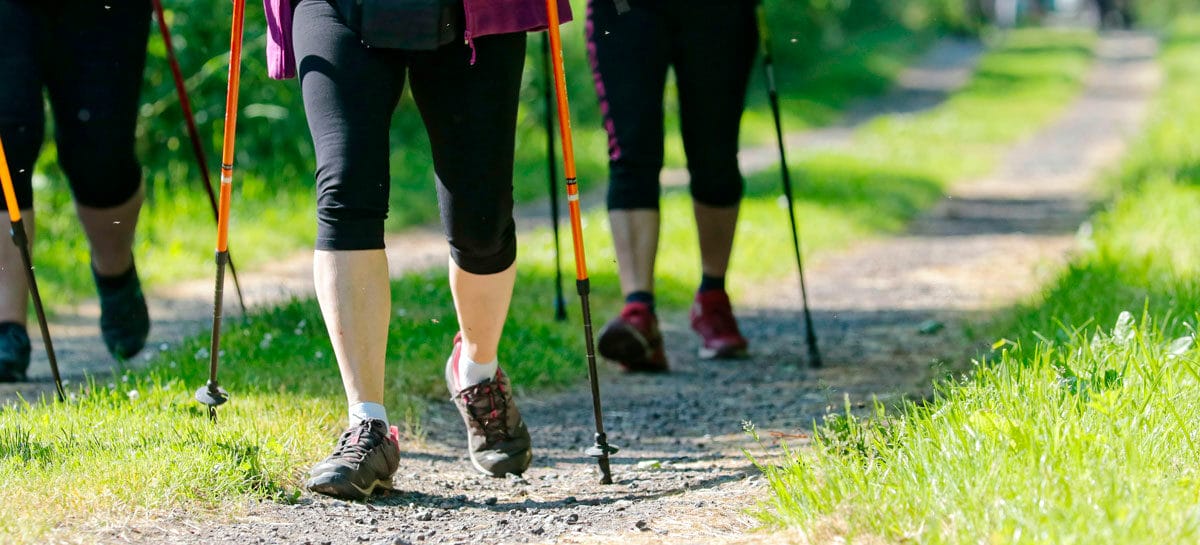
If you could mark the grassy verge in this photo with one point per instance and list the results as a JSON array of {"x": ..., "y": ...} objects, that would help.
[
  {"x": 122, "y": 451},
  {"x": 274, "y": 202},
  {"x": 1079, "y": 430}
]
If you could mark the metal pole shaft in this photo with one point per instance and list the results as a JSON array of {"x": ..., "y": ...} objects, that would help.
[
  {"x": 560, "y": 302},
  {"x": 22, "y": 241},
  {"x": 814, "y": 352}
]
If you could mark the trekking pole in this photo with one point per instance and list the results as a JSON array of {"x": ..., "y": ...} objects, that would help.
[
  {"x": 601, "y": 449},
  {"x": 197, "y": 149},
  {"x": 212, "y": 394},
  {"x": 814, "y": 354},
  {"x": 20, "y": 238},
  {"x": 560, "y": 302}
]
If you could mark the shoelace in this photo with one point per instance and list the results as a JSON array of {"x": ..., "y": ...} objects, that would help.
[
  {"x": 355, "y": 443},
  {"x": 488, "y": 407}
]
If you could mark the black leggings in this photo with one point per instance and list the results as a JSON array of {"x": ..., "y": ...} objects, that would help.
[
  {"x": 711, "y": 45},
  {"x": 89, "y": 55},
  {"x": 470, "y": 113}
]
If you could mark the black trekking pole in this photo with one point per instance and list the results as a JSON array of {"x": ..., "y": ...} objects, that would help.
[
  {"x": 560, "y": 302},
  {"x": 601, "y": 449},
  {"x": 21, "y": 239},
  {"x": 814, "y": 353},
  {"x": 197, "y": 148},
  {"x": 212, "y": 394}
]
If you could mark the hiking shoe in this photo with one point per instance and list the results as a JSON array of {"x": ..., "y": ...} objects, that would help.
[
  {"x": 712, "y": 317},
  {"x": 497, "y": 440},
  {"x": 633, "y": 340},
  {"x": 366, "y": 456},
  {"x": 14, "y": 352},
  {"x": 124, "y": 319}
]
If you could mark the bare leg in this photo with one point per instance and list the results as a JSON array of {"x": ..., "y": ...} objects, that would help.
[
  {"x": 481, "y": 301},
  {"x": 14, "y": 293},
  {"x": 110, "y": 233},
  {"x": 635, "y": 236},
  {"x": 716, "y": 226},
  {"x": 355, "y": 296}
]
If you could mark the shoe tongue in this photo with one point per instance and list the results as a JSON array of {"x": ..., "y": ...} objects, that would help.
[{"x": 364, "y": 428}]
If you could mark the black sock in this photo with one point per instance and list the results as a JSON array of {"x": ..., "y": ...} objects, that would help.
[
  {"x": 641, "y": 297},
  {"x": 109, "y": 284},
  {"x": 709, "y": 283}
]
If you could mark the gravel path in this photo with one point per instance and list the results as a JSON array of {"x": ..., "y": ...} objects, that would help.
[{"x": 682, "y": 476}]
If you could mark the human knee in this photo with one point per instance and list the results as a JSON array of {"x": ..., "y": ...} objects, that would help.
[
  {"x": 101, "y": 175},
  {"x": 717, "y": 184}
]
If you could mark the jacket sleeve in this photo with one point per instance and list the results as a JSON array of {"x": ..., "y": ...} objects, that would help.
[{"x": 281, "y": 58}]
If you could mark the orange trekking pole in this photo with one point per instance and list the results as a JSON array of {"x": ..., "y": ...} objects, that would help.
[
  {"x": 601, "y": 449},
  {"x": 20, "y": 238},
  {"x": 212, "y": 394}
]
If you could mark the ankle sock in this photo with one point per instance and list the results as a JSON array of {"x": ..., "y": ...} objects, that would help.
[
  {"x": 471, "y": 373},
  {"x": 367, "y": 411},
  {"x": 641, "y": 297},
  {"x": 710, "y": 283}
]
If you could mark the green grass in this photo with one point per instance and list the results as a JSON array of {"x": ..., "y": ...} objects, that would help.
[
  {"x": 1081, "y": 428},
  {"x": 290, "y": 378}
]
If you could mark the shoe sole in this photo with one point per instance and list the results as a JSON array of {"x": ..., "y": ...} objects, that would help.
[
  {"x": 335, "y": 486},
  {"x": 735, "y": 353},
  {"x": 493, "y": 474}
]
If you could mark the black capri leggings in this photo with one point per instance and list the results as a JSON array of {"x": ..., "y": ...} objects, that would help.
[
  {"x": 470, "y": 113},
  {"x": 711, "y": 45},
  {"x": 89, "y": 55}
]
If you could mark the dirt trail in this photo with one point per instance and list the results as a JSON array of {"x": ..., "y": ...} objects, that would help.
[{"x": 682, "y": 477}]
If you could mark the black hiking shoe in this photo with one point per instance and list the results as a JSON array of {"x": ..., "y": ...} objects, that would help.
[
  {"x": 364, "y": 459},
  {"x": 124, "y": 319},
  {"x": 14, "y": 352},
  {"x": 497, "y": 440}
]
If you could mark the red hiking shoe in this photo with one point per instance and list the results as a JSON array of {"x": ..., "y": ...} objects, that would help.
[
  {"x": 712, "y": 317},
  {"x": 633, "y": 341}
]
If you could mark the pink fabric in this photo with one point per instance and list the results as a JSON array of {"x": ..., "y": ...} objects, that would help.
[{"x": 483, "y": 18}]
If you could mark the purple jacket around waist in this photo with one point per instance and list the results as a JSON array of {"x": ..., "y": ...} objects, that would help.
[{"x": 483, "y": 17}]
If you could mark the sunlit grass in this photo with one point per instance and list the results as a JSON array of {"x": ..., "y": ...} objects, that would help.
[{"x": 1082, "y": 427}]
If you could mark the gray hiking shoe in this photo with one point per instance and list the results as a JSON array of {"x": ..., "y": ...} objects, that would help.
[
  {"x": 364, "y": 459},
  {"x": 497, "y": 439},
  {"x": 14, "y": 352}
]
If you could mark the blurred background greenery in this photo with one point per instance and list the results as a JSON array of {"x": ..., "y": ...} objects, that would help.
[
  {"x": 828, "y": 53},
  {"x": 851, "y": 47}
]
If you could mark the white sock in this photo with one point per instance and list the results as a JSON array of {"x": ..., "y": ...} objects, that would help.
[
  {"x": 367, "y": 411},
  {"x": 471, "y": 373}
]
